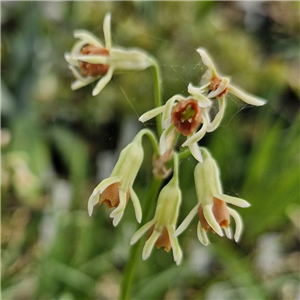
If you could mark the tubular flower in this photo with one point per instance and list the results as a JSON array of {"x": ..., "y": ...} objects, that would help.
[
  {"x": 116, "y": 190},
  {"x": 216, "y": 86},
  {"x": 90, "y": 60},
  {"x": 212, "y": 209},
  {"x": 162, "y": 227},
  {"x": 183, "y": 115}
]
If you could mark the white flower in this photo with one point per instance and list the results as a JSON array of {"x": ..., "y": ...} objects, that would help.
[
  {"x": 211, "y": 207},
  {"x": 162, "y": 226},
  {"x": 183, "y": 115},
  {"x": 90, "y": 60},
  {"x": 116, "y": 190},
  {"x": 213, "y": 85}
]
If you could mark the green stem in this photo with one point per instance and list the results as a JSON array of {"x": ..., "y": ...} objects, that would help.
[
  {"x": 157, "y": 94},
  {"x": 136, "y": 248}
]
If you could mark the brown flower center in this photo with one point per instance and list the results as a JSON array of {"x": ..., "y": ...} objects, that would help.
[
  {"x": 110, "y": 196},
  {"x": 163, "y": 240},
  {"x": 214, "y": 84},
  {"x": 88, "y": 69},
  {"x": 186, "y": 116},
  {"x": 220, "y": 213}
]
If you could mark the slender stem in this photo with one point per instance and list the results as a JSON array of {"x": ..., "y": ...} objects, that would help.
[
  {"x": 136, "y": 248},
  {"x": 157, "y": 94}
]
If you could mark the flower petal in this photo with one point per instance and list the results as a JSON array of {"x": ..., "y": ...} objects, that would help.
[
  {"x": 136, "y": 204},
  {"x": 218, "y": 117},
  {"x": 202, "y": 236},
  {"x": 238, "y": 223},
  {"x": 93, "y": 59},
  {"x": 107, "y": 31},
  {"x": 222, "y": 86},
  {"x": 233, "y": 200},
  {"x": 211, "y": 220},
  {"x": 87, "y": 37},
  {"x": 188, "y": 219},
  {"x": 228, "y": 232},
  {"x": 247, "y": 98},
  {"x": 141, "y": 232},
  {"x": 194, "y": 138},
  {"x": 207, "y": 61},
  {"x": 103, "y": 82},
  {"x": 117, "y": 213},
  {"x": 79, "y": 77},
  {"x": 151, "y": 114},
  {"x": 177, "y": 253},
  {"x": 166, "y": 116},
  {"x": 150, "y": 243},
  {"x": 195, "y": 150},
  {"x": 197, "y": 95},
  {"x": 163, "y": 141},
  {"x": 93, "y": 200}
]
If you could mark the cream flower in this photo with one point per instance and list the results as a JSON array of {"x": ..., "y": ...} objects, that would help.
[
  {"x": 90, "y": 60},
  {"x": 162, "y": 227},
  {"x": 211, "y": 207},
  {"x": 116, "y": 190},
  {"x": 213, "y": 85},
  {"x": 183, "y": 115}
]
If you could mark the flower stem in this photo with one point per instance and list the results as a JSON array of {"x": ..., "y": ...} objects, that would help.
[
  {"x": 136, "y": 248},
  {"x": 157, "y": 93}
]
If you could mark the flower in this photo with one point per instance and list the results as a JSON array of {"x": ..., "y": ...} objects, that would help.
[
  {"x": 183, "y": 115},
  {"x": 212, "y": 210},
  {"x": 116, "y": 190},
  {"x": 216, "y": 86},
  {"x": 90, "y": 60},
  {"x": 162, "y": 227}
]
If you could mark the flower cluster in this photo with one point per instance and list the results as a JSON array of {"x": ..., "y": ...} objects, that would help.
[{"x": 190, "y": 117}]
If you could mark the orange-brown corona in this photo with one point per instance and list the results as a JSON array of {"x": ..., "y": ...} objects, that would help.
[
  {"x": 220, "y": 212},
  {"x": 163, "y": 240},
  {"x": 214, "y": 84},
  {"x": 88, "y": 69},
  {"x": 186, "y": 116},
  {"x": 110, "y": 196}
]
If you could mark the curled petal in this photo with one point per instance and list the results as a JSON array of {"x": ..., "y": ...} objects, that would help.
[
  {"x": 150, "y": 243},
  {"x": 211, "y": 220},
  {"x": 87, "y": 37},
  {"x": 136, "y": 205},
  {"x": 79, "y": 77},
  {"x": 151, "y": 114},
  {"x": 163, "y": 141},
  {"x": 195, "y": 150},
  {"x": 107, "y": 31},
  {"x": 141, "y": 232},
  {"x": 197, "y": 95},
  {"x": 77, "y": 84},
  {"x": 177, "y": 253},
  {"x": 202, "y": 236},
  {"x": 94, "y": 198},
  {"x": 233, "y": 200},
  {"x": 228, "y": 232},
  {"x": 117, "y": 213},
  {"x": 166, "y": 116},
  {"x": 185, "y": 223},
  {"x": 207, "y": 61},
  {"x": 247, "y": 98},
  {"x": 194, "y": 138},
  {"x": 219, "y": 116},
  {"x": 221, "y": 88},
  {"x": 103, "y": 82},
  {"x": 238, "y": 224}
]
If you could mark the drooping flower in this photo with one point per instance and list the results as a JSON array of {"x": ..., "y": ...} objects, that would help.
[
  {"x": 213, "y": 85},
  {"x": 90, "y": 60},
  {"x": 116, "y": 190},
  {"x": 182, "y": 115},
  {"x": 212, "y": 209},
  {"x": 162, "y": 227}
]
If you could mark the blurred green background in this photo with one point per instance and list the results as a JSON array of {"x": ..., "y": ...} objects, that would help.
[{"x": 57, "y": 144}]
